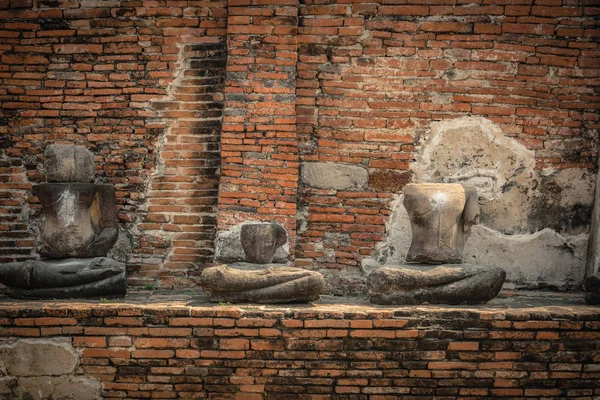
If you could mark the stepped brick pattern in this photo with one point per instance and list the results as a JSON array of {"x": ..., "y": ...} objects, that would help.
[
  {"x": 358, "y": 353},
  {"x": 141, "y": 85},
  {"x": 357, "y": 82},
  {"x": 179, "y": 225}
]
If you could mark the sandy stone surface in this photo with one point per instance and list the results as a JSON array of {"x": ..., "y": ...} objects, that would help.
[{"x": 506, "y": 301}]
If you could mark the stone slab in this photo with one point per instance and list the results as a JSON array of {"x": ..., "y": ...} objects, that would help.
[
  {"x": 36, "y": 357},
  {"x": 441, "y": 284},
  {"x": 324, "y": 175}
]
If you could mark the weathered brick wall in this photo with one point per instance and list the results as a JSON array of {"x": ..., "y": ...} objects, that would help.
[
  {"x": 373, "y": 76},
  {"x": 363, "y": 353},
  {"x": 259, "y": 148},
  {"x": 179, "y": 221},
  {"x": 141, "y": 85}
]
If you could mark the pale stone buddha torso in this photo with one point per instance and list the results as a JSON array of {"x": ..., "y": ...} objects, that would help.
[{"x": 439, "y": 215}]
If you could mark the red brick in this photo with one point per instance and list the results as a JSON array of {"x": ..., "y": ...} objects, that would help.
[
  {"x": 445, "y": 27},
  {"x": 451, "y": 365},
  {"x": 394, "y": 76},
  {"x": 403, "y": 10},
  {"x": 530, "y": 29},
  {"x": 463, "y": 346},
  {"x": 152, "y": 353},
  {"x": 77, "y": 48},
  {"x": 234, "y": 344},
  {"x": 55, "y": 321},
  {"x": 143, "y": 343},
  {"x": 109, "y": 353},
  {"x": 89, "y": 341}
]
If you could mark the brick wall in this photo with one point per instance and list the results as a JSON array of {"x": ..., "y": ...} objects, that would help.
[
  {"x": 331, "y": 352},
  {"x": 141, "y": 85},
  {"x": 372, "y": 77},
  {"x": 350, "y": 82},
  {"x": 179, "y": 221},
  {"x": 259, "y": 149}
]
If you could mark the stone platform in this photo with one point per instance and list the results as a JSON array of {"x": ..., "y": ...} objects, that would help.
[{"x": 178, "y": 345}]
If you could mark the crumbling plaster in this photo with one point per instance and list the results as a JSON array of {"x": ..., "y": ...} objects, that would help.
[{"x": 534, "y": 224}]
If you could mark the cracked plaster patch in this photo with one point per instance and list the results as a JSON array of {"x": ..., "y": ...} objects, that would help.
[
  {"x": 534, "y": 225},
  {"x": 514, "y": 197}
]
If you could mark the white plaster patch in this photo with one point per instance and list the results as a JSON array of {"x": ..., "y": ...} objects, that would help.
[
  {"x": 514, "y": 197},
  {"x": 542, "y": 259},
  {"x": 439, "y": 198},
  {"x": 471, "y": 151},
  {"x": 68, "y": 207},
  {"x": 517, "y": 202},
  {"x": 576, "y": 186}
]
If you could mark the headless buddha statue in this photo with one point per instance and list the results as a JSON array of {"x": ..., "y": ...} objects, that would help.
[
  {"x": 79, "y": 228},
  {"x": 441, "y": 216}
]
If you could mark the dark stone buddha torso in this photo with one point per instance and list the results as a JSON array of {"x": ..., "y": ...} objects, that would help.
[{"x": 80, "y": 219}]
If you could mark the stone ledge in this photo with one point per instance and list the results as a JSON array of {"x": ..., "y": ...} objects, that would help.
[{"x": 509, "y": 305}]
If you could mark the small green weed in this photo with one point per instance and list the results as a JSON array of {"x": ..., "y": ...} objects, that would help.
[
  {"x": 104, "y": 300},
  {"x": 149, "y": 286},
  {"x": 224, "y": 303}
]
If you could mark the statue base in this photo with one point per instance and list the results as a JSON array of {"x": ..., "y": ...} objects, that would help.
[
  {"x": 435, "y": 284},
  {"x": 62, "y": 279},
  {"x": 261, "y": 283}
]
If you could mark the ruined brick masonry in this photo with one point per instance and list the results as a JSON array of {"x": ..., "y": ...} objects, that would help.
[
  {"x": 142, "y": 86},
  {"x": 183, "y": 352},
  {"x": 201, "y": 112}
]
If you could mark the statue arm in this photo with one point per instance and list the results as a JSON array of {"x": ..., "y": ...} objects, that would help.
[
  {"x": 103, "y": 213},
  {"x": 470, "y": 215}
]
